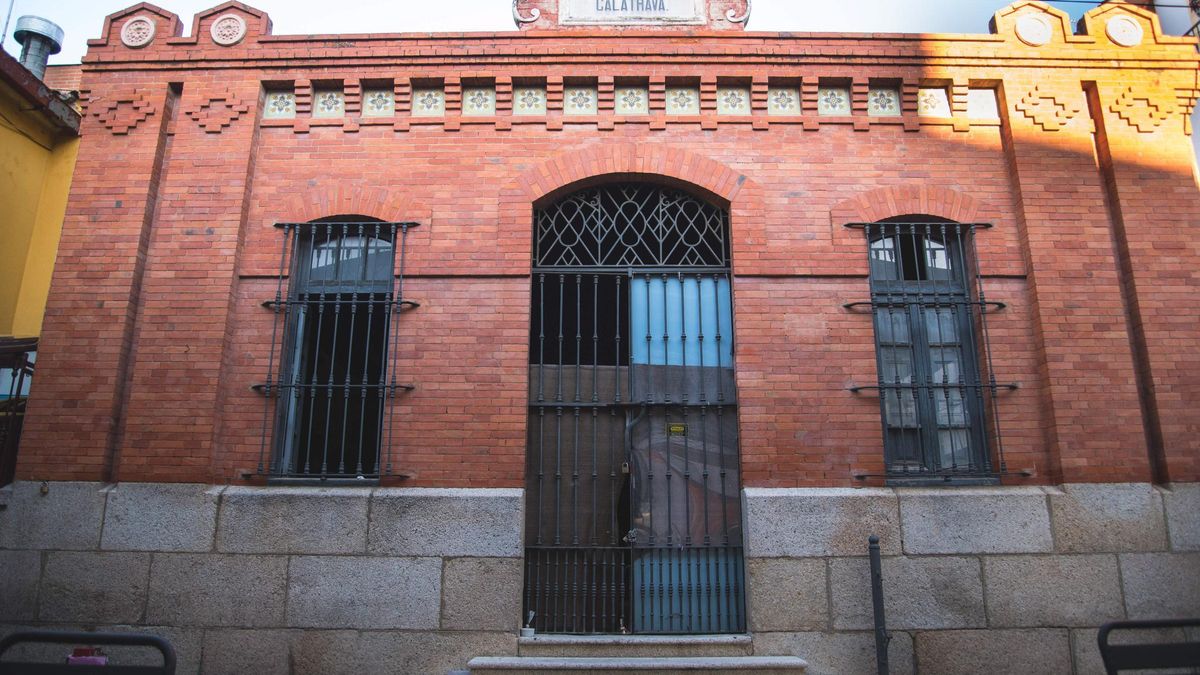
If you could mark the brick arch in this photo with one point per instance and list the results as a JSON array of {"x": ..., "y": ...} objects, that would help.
[
  {"x": 373, "y": 202},
  {"x": 902, "y": 200},
  {"x": 630, "y": 159}
]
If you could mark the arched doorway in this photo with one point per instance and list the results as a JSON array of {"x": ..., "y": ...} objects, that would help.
[{"x": 633, "y": 518}]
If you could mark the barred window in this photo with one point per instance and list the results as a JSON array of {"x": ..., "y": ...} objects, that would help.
[
  {"x": 931, "y": 365},
  {"x": 334, "y": 386}
]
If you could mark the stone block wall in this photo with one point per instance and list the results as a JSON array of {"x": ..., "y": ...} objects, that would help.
[
  {"x": 333, "y": 580},
  {"x": 995, "y": 580},
  {"x": 270, "y": 580}
]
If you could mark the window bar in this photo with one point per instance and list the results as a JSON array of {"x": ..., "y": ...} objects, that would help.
[
  {"x": 721, "y": 411},
  {"x": 595, "y": 413},
  {"x": 275, "y": 308},
  {"x": 668, "y": 469},
  {"x": 575, "y": 415}
]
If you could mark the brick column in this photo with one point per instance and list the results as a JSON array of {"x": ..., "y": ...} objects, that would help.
[
  {"x": 70, "y": 428},
  {"x": 170, "y": 409},
  {"x": 1095, "y": 431},
  {"x": 1148, "y": 162}
]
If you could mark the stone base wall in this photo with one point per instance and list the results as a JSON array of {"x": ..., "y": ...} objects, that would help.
[
  {"x": 309, "y": 580},
  {"x": 270, "y": 580},
  {"x": 976, "y": 580}
]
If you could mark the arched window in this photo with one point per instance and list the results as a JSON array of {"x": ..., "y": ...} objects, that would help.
[
  {"x": 932, "y": 397},
  {"x": 632, "y": 457},
  {"x": 336, "y": 320}
]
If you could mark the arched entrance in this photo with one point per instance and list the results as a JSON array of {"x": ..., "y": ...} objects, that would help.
[{"x": 633, "y": 518}]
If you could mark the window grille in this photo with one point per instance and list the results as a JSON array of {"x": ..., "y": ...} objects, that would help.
[
  {"x": 331, "y": 373},
  {"x": 633, "y": 522},
  {"x": 17, "y": 358},
  {"x": 937, "y": 389}
]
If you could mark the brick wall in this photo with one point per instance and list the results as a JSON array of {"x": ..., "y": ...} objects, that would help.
[{"x": 155, "y": 333}]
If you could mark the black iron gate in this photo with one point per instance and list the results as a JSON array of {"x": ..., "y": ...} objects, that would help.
[
  {"x": 633, "y": 518},
  {"x": 16, "y": 373}
]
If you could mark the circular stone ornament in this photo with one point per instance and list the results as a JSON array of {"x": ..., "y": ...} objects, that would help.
[
  {"x": 1035, "y": 30},
  {"x": 228, "y": 30},
  {"x": 137, "y": 32},
  {"x": 1125, "y": 31}
]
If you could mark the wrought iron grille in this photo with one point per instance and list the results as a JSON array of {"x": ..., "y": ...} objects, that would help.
[
  {"x": 17, "y": 358},
  {"x": 634, "y": 518},
  {"x": 935, "y": 375},
  {"x": 329, "y": 377},
  {"x": 631, "y": 224}
]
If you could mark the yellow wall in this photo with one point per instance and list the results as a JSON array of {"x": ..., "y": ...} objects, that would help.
[{"x": 35, "y": 176}]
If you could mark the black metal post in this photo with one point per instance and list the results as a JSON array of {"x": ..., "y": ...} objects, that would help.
[{"x": 882, "y": 637}]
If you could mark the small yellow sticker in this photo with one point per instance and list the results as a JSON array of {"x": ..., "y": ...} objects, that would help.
[{"x": 677, "y": 429}]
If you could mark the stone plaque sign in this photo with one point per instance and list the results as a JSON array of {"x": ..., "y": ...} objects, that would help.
[{"x": 631, "y": 12}]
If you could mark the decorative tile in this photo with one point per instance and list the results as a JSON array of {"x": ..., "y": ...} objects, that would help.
[
  {"x": 833, "y": 101},
  {"x": 783, "y": 101},
  {"x": 281, "y": 105},
  {"x": 933, "y": 103},
  {"x": 329, "y": 103},
  {"x": 479, "y": 102},
  {"x": 733, "y": 101},
  {"x": 529, "y": 101},
  {"x": 378, "y": 103},
  {"x": 683, "y": 101},
  {"x": 981, "y": 104},
  {"x": 632, "y": 101},
  {"x": 579, "y": 101},
  {"x": 428, "y": 103},
  {"x": 883, "y": 102}
]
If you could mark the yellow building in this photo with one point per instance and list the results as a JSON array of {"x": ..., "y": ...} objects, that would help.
[{"x": 39, "y": 138}]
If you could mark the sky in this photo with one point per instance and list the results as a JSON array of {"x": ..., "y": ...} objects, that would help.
[{"x": 83, "y": 19}]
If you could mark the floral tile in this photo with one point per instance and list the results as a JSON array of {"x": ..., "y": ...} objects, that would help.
[
  {"x": 683, "y": 101},
  {"x": 981, "y": 104},
  {"x": 329, "y": 103},
  {"x": 428, "y": 103},
  {"x": 378, "y": 103},
  {"x": 933, "y": 103},
  {"x": 833, "y": 101},
  {"x": 479, "y": 102},
  {"x": 280, "y": 105},
  {"x": 733, "y": 101},
  {"x": 632, "y": 101},
  {"x": 883, "y": 102},
  {"x": 579, "y": 101},
  {"x": 783, "y": 101},
  {"x": 529, "y": 101}
]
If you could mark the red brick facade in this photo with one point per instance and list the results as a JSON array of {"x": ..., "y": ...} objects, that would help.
[{"x": 155, "y": 332}]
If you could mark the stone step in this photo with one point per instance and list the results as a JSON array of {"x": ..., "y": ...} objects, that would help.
[
  {"x": 662, "y": 665},
  {"x": 635, "y": 645}
]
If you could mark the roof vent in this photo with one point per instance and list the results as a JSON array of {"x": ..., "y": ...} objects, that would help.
[{"x": 39, "y": 38}]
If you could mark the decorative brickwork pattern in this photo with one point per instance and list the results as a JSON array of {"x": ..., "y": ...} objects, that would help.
[
  {"x": 218, "y": 112},
  {"x": 1144, "y": 110},
  {"x": 1046, "y": 110},
  {"x": 122, "y": 113}
]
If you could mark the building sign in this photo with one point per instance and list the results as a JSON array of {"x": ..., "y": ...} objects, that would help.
[{"x": 632, "y": 12}]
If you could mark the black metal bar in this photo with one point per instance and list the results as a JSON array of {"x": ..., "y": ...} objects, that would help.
[
  {"x": 156, "y": 642},
  {"x": 882, "y": 636},
  {"x": 1147, "y": 656}
]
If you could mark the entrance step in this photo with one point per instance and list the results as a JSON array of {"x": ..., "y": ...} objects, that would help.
[
  {"x": 662, "y": 665},
  {"x": 599, "y": 646}
]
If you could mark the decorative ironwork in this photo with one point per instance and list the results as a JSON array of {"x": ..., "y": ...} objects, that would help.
[
  {"x": 16, "y": 373},
  {"x": 634, "y": 517},
  {"x": 933, "y": 396},
  {"x": 631, "y": 224},
  {"x": 328, "y": 373}
]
